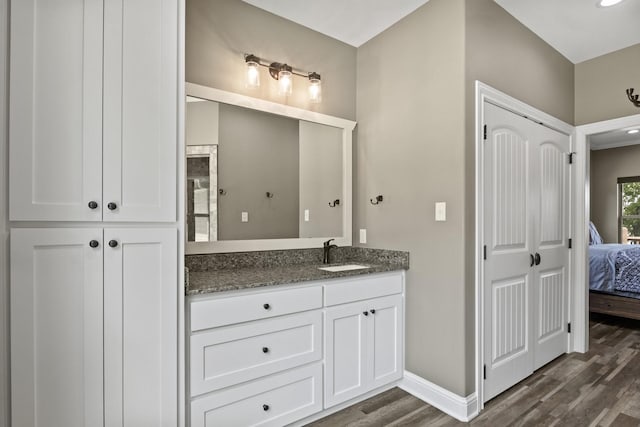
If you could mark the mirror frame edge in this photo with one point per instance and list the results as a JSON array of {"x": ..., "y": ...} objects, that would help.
[{"x": 347, "y": 126}]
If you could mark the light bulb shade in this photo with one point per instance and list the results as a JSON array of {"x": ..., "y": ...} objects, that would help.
[
  {"x": 253, "y": 71},
  {"x": 315, "y": 88},
  {"x": 285, "y": 80}
]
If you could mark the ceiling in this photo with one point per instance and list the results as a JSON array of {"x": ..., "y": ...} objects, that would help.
[
  {"x": 576, "y": 28},
  {"x": 613, "y": 139}
]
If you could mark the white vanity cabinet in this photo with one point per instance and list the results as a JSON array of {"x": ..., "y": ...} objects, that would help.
[
  {"x": 93, "y": 110},
  {"x": 238, "y": 340},
  {"x": 364, "y": 339},
  {"x": 275, "y": 356},
  {"x": 93, "y": 327}
]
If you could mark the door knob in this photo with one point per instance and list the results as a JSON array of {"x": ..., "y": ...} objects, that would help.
[
  {"x": 372, "y": 311},
  {"x": 113, "y": 243},
  {"x": 265, "y": 349},
  {"x": 265, "y": 407},
  {"x": 93, "y": 204},
  {"x": 366, "y": 313},
  {"x": 112, "y": 206},
  {"x": 94, "y": 243},
  {"x": 532, "y": 260},
  {"x": 266, "y": 306},
  {"x": 537, "y": 258}
]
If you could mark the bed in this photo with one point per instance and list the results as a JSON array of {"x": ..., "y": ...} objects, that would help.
[{"x": 614, "y": 278}]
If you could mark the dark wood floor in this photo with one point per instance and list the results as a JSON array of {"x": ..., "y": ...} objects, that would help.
[{"x": 598, "y": 388}]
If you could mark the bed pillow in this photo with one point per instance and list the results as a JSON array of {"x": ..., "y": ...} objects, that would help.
[{"x": 594, "y": 236}]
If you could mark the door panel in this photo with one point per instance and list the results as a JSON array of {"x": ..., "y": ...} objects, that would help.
[
  {"x": 141, "y": 367},
  {"x": 55, "y": 119},
  {"x": 526, "y": 229},
  {"x": 56, "y": 328},
  {"x": 345, "y": 338},
  {"x": 140, "y": 117},
  {"x": 386, "y": 340}
]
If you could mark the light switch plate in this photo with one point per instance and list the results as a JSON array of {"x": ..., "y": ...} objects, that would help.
[
  {"x": 245, "y": 216},
  {"x": 306, "y": 215},
  {"x": 441, "y": 211},
  {"x": 363, "y": 235}
]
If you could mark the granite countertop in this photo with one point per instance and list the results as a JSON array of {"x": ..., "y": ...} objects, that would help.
[{"x": 251, "y": 270}]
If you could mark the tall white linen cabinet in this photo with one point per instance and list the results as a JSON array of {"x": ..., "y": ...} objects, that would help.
[{"x": 93, "y": 134}]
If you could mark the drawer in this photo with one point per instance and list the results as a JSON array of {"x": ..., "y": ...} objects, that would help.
[
  {"x": 361, "y": 288},
  {"x": 210, "y": 313},
  {"x": 276, "y": 400},
  {"x": 230, "y": 355}
]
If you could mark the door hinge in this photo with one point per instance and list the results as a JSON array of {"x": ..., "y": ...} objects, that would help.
[
  {"x": 484, "y": 372},
  {"x": 569, "y": 327},
  {"x": 484, "y": 250},
  {"x": 485, "y": 132},
  {"x": 570, "y": 243},
  {"x": 571, "y": 158}
]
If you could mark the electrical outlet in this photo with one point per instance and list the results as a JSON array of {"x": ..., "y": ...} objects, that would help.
[{"x": 363, "y": 235}]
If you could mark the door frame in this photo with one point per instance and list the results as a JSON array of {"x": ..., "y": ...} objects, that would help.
[
  {"x": 580, "y": 322},
  {"x": 485, "y": 93}
]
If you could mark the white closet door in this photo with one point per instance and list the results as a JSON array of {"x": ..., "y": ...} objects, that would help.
[
  {"x": 140, "y": 110},
  {"x": 56, "y": 328},
  {"x": 508, "y": 239},
  {"x": 551, "y": 169},
  {"x": 526, "y": 230},
  {"x": 141, "y": 337},
  {"x": 56, "y": 110}
]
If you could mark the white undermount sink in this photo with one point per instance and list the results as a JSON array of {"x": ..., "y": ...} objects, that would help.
[{"x": 348, "y": 267}]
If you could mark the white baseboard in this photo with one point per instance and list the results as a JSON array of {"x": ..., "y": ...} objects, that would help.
[{"x": 461, "y": 408}]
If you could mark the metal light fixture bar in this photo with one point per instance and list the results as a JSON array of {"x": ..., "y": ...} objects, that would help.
[
  {"x": 276, "y": 67},
  {"x": 633, "y": 98}
]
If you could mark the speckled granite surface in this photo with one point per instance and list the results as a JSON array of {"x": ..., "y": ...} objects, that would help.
[{"x": 245, "y": 270}]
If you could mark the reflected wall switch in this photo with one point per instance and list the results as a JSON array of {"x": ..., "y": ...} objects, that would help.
[
  {"x": 306, "y": 215},
  {"x": 245, "y": 216},
  {"x": 441, "y": 211},
  {"x": 363, "y": 235}
]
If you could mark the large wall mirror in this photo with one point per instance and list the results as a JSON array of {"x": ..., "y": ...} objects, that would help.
[{"x": 262, "y": 175}]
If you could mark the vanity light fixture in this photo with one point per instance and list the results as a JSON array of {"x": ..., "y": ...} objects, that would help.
[
  {"x": 283, "y": 73},
  {"x": 633, "y": 98}
]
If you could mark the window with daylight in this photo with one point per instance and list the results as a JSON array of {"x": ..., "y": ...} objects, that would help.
[{"x": 629, "y": 210}]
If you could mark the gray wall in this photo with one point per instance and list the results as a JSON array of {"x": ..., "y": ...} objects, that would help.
[
  {"x": 606, "y": 167},
  {"x": 320, "y": 180},
  {"x": 257, "y": 153},
  {"x": 410, "y": 149},
  {"x": 504, "y": 54},
  {"x": 601, "y": 83},
  {"x": 219, "y": 32},
  {"x": 201, "y": 123}
]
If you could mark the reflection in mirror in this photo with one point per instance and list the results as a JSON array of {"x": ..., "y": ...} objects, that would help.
[
  {"x": 263, "y": 175},
  {"x": 266, "y": 177}
]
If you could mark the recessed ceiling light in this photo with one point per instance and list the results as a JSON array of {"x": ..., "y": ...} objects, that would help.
[
  {"x": 633, "y": 131},
  {"x": 607, "y": 3}
]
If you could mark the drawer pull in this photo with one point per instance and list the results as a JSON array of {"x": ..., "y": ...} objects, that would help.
[
  {"x": 265, "y": 349},
  {"x": 266, "y": 306},
  {"x": 366, "y": 313},
  {"x": 265, "y": 407},
  {"x": 372, "y": 311}
]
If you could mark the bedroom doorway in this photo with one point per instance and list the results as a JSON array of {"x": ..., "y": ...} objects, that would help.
[{"x": 526, "y": 232}]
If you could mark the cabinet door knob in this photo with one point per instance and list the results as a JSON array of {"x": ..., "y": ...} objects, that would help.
[
  {"x": 265, "y": 349},
  {"x": 266, "y": 306},
  {"x": 94, "y": 243},
  {"x": 366, "y": 313},
  {"x": 113, "y": 243},
  {"x": 93, "y": 204},
  {"x": 265, "y": 407},
  {"x": 372, "y": 311},
  {"x": 537, "y": 258},
  {"x": 112, "y": 206}
]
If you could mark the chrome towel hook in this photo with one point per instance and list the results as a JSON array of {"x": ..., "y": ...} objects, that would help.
[
  {"x": 335, "y": 203},
  {"x": 378, "y": 199}
]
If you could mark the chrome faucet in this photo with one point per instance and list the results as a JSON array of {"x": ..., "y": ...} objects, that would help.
[{"x": 326, "y": 258}]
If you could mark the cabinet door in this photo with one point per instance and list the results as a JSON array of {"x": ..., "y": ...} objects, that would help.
[
  {"x": 140, "y": 110},
  {"x": 140, "y": 304},
  {"x": 385, "y": 349},
  {"x": 55, "y": 117},
  {"x": 56, "y": 328},
  {"x": 345, "y": 345}
]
